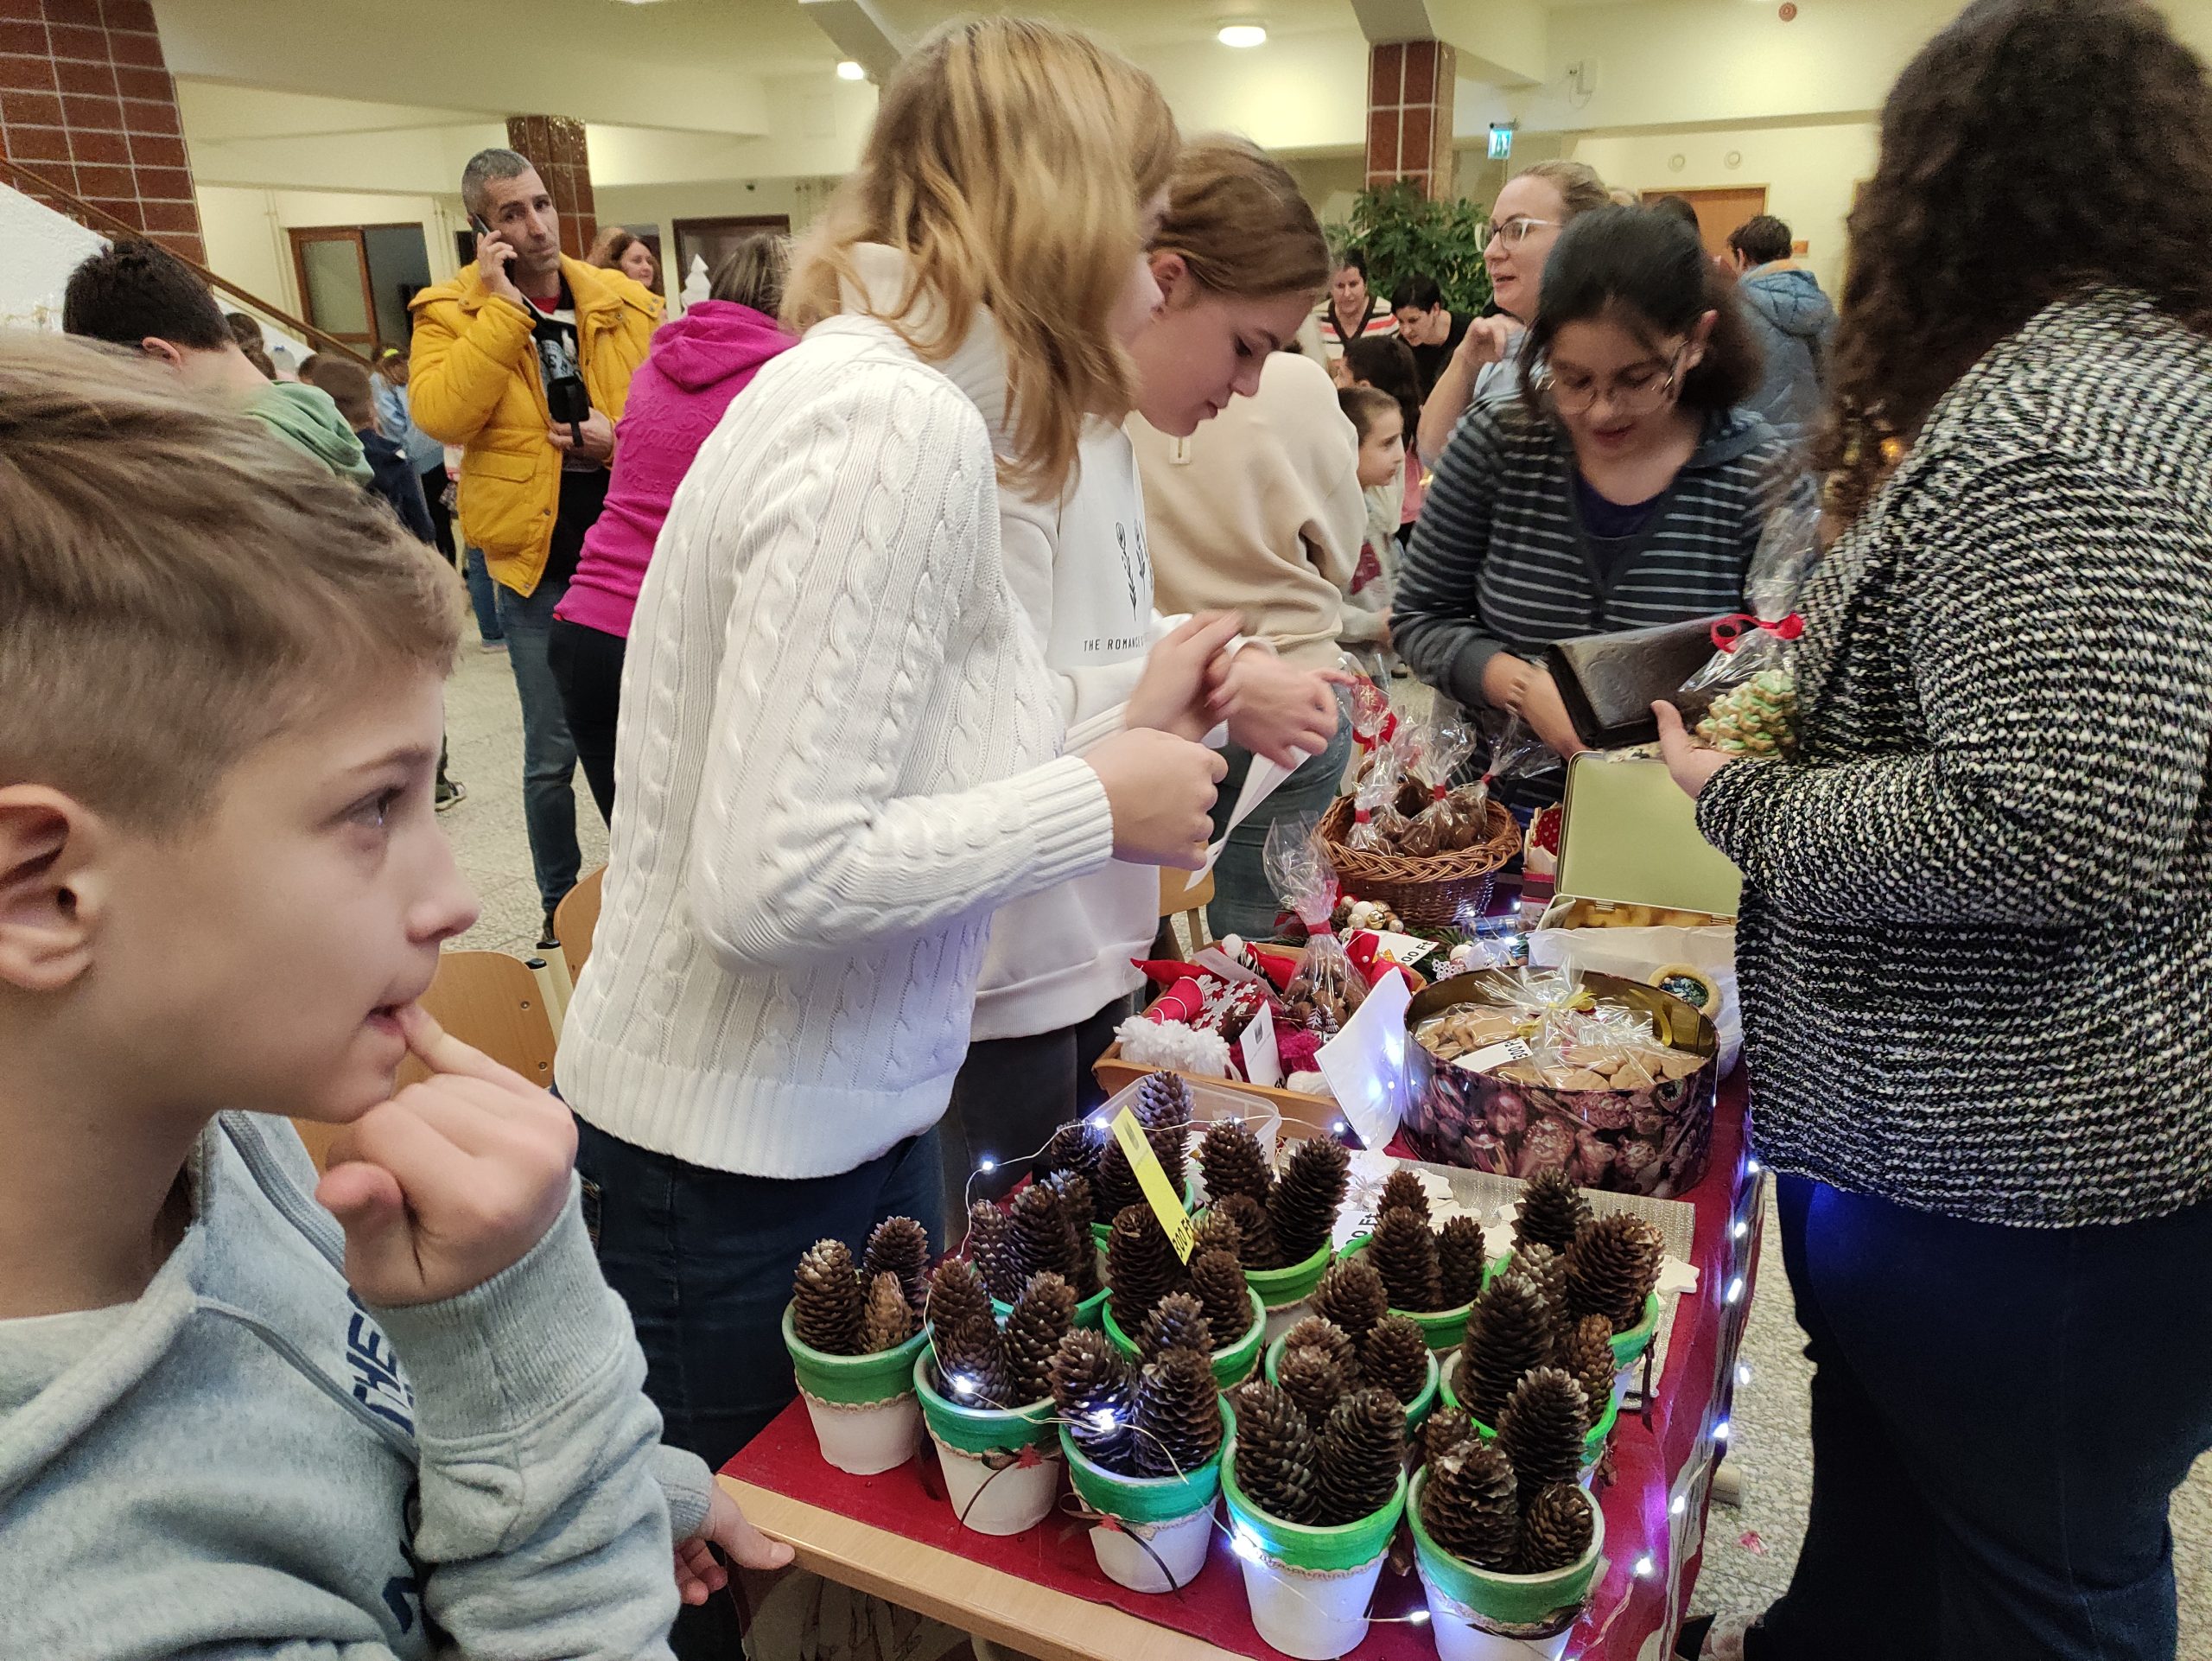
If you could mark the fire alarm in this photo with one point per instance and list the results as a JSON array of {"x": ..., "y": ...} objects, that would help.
[{"x": 1789, "y": 11}]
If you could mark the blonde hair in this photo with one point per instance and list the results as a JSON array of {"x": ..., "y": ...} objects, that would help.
[
  {"x": 177, "y": 586},
  {"x": 752, "y": 273},
  {"x": 1579, "y": 186},
  {"x": 1236, "y": 218},
  {"x": 1009, "y": 162}
]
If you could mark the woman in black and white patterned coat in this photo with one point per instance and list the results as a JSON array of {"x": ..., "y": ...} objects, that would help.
[{"x": 1976, "y": 948}]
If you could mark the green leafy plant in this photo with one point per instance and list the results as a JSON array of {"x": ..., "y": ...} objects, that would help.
[{"x": 1402, "y": 233}]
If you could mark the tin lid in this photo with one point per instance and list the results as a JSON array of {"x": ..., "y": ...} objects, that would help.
[{"x": 1629, "y": 835}]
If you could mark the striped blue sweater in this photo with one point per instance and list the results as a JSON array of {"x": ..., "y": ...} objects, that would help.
[{"x": 1499, "y": 561}]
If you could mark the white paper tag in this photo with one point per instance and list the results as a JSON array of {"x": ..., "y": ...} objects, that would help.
[
  {"x": 1406, "y": 949},
  {"x": 1366, "y": 1063},
  {"x": 1260, "y": 781},
  {"x": 1491, "y": 1057},
  {"x": 1262, "y": 1057},
  {"x": 1216, "y": 961}
]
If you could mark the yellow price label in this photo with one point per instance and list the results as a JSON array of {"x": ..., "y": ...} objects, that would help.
[{"x": 1166, "y": 1204}]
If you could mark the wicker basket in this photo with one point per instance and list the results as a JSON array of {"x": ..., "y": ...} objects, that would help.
[{"x": 1439, "y": 889}]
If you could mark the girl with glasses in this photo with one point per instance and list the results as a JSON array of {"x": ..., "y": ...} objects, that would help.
[{"x": 1623, "y": 488}]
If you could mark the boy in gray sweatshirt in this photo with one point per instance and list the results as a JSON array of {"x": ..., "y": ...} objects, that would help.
[{"x": 230, "y": 1425}]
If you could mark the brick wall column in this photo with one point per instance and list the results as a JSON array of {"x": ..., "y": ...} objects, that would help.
[
  {"x": 1409, "y": 93},
  {"x": 555, "y": 144},
  {"x": 87, "y": 101}
]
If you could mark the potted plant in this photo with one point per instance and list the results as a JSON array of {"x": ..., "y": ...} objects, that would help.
[
  {"x": 1047, "y": 1229},
  {"x": 1283, "y": 1263},
  {"x": 1316, "y": 1362},
  {"x": 986, "y": 1395},
  {"x": 853, "y": 1335},
  {"x": 1427, "y": 1274},
  {"x": 1156, "y": 1302},
  {"x": 1403, "y": 233}
]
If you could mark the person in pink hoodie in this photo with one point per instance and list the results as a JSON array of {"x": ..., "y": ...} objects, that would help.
[{"x": 699, "y": 364}]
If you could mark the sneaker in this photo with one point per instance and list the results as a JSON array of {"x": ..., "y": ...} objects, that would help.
[
  {"x": 451, "y": 792},
  {"x": 498, "y": 643},
  {"x": 548, "y": 940}
]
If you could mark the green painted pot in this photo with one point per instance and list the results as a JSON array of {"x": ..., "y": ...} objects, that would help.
[
  {"x": 1308, "y": 1587},
  {"x": 1443, "y": 1328},
  {"x": 1163, "y": 1525},
  {"x": 1593, "y": 1443},
  {"x": 863, "y": 1406},
  {"x": 1417, "y": 1410},
  {"x": 1100, "y": 1231},
  {"x": 1002, "y": 1465},
  {"x": 1528, "y": 1606},
  {"x": 1232, "y": 1365}
]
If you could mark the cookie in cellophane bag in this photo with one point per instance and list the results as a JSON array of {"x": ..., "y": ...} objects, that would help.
[
  {"x": 1326, "y": 988},
  {"x": 1442, "y": 739},
  {"x": 1744, "y": 700}
]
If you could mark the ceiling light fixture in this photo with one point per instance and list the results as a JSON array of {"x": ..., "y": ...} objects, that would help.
[
  {"x": 847, "y": 70},
  {"x": 1242, "y": 35}
]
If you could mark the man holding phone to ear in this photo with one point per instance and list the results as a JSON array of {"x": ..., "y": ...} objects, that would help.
[{"x": 523, "y": 359}]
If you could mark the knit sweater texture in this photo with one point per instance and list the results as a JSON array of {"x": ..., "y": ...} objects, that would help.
[
  {"x": 839, "y": 754},
  {"x": 1976, "y": 944}
]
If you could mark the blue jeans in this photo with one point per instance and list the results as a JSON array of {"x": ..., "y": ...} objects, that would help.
[
  {"x": 704, "y": 1260},
  {"x": 1244, "y": 902},
  {"x": 2000, "y": 1415},
  {"x": 481, "y": 598},
  {"x": 549, "y": 755}
]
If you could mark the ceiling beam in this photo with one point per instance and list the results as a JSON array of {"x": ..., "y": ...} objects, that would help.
[
  {"x": 1500, "y": 42},
  {"x": 857, "y": 29}
]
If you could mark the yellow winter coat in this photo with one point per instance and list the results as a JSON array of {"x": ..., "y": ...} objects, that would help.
[{"x": 472, "y": 380}]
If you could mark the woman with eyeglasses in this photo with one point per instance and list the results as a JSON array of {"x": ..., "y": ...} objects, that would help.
[
  {"x": 1622, "y": 489},
  {"x": 1536, "y": 205}
]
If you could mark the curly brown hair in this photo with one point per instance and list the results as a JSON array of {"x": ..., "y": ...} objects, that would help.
[{"x": 2032, "y": 149}]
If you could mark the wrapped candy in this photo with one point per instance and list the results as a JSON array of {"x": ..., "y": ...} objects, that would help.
[
  {"x": 1442, "y": 740},
  {"x": 1744, "y": 700},
  {"x": 1513, "y": 753},
  {"x": 1326, "y": 988},
  {"x": 1372, "y": 719},
  {"x": 1377, "y": 822}
]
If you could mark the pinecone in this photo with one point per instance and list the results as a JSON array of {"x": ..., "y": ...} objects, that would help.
[
  {"x": 1255, "y": 1231},
  {"x": 964, "y": 1335},
  {"x": 900, "y": 1246},
  {"x": 1402, "y": 1191},
  {"x": 1542, "y": 1428},
  {"x": 990, "y": 1248},
  {"x": 1459, "y": 1255},
  {"x": 1075, "y": 1198},
  {"x": 1546, "y": 1271},
  {"x": 1396, "y": 1356},
  {"x": 1179, "y": 1414},
  {"x": 1551, "y": 1213},
  {"x": 1612, "y": 1267},
  {"x": 1095, "y": 1394},
  {"x": 1508, "y": 1332},
  {"x": 1140, "y": 1266},
  {"x": 1443, "y": 1430},
  {"x": 1363, "y": 1454},
  {"x": 1320, "y": 1333},
  {"x": 826, "y": 1299},
  {"x": 1039, "y": 1240},
  {"x": 1555, "y": 1529},
  {"x": 1310, "y": 1377},
  {"x": 1275, "y": 1453},
  {"x": 1235, "y": 1162},
  {"x": 888, "y": 1319},
  {"x": 1072, "y": 1151},
  {"x": 1352, "y": 1295},
  {"x": 1587, "y": 1354},
  {"x": 1164, "y": 1108},
  {"x": 1218, "y": 1280},
  {"x": 1114, "y": 1185},
  {"x": 1404, "y": 1253},
  {"x": 1041, "y": 1317},
  {"x": 1178, "y": 1322},
  {"x": 1469, "y": 1505},
  {"x": 1303, "y": 1207},
  {"x": 1214, "y": 1230}
]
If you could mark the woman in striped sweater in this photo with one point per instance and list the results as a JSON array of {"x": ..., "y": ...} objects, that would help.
[{"x": 1622, "y": 490}]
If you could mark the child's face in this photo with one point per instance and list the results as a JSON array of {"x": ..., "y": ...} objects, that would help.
[
  {"x": 1201, "y": 349},
  {"x": 1382, "y": 450},
  {"x": 258, "y": 961}
]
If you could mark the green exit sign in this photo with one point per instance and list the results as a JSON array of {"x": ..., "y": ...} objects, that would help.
[{"x": 1501, "y": 144}]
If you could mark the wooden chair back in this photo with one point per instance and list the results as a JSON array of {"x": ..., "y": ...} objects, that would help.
[
  {"x": 575, "y": 919},
  {"x": 1178, "y": 899}
]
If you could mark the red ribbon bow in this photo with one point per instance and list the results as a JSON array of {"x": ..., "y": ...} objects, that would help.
[{"x": 1728, "y": 632}]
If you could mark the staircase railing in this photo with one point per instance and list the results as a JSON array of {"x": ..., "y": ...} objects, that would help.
[{"x": 98, "y": 218}]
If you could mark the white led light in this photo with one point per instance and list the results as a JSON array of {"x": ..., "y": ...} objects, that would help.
[
  {"x": 987, "y": 1165},
  {"x": 1751, "y": 1168},
  {"x": 1720, "y": 1431},
  {"x": 1242, "y": 35},
  {"x": 1339, "y": 1127},
  {"x": 1098, "y": 1122},
  {"x": 1420, "y": 1617},
  {"x": 848, "y": 70},
  {"x": 1645, "y": 1567},
  {"x": 1736, "y": 1289},
  {"x": 1682, "y": 1504},
  {"x": 963, "y": 1384},
  {"x": 1103, "y": 1419},
  {"x": 1246, "y": 1544},
  {"x": 1742, "y": 1227},
  {"x": 1743, "y": 1373}
]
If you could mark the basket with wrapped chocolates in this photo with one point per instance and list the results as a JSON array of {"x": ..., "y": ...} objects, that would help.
[{"x": 1519, "y": 1072}]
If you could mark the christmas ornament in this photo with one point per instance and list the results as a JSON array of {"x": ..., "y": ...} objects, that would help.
[
  {"x": 1612, "y": 1268},
  {"x": 1395, "y": 1357},
  {"x": 1542, "y": 1428},
  {"x": 1094, "y": 1392},
  {"x": 990, "y": 1248},
  {"x": 1404, "y": 1252},
  {"x": 1218, "y": 1280},
  {"x": 1303, "y": 1206},
  {"x": 1310, "y": 1377},
  {"x": 1459, "y": 1259},
  {"x": 1255, "y": 1231},
  {"x": 1178, "y": 1322},
  {"x": 1555, "y": 1529},
  {"x": 1235, "y": 1162},
  {"x": 964, "y": 1335},
  {"x": 1587, "y": 1353},
  {"x": 1179, "y": 1414},
  {"x": 1444, "y": 1431},
  {"x": 1141, "y": 1268},
  {"x": 887, "y": 1320},
  {"x": 1551, "y": 1213},
  {"x": 1040, "y": 1318},
  {"x": 1318, "y": 1332},
  {"x": 1402, "y": 1191},
  {"x": 1508, "y": 1332},
  {"x": 1352, "y": 1295}
]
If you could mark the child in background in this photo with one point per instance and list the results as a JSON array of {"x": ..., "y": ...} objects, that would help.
[
  {"x": 419, "y": 1428},
  {"x": 1381, "y": 424},
  {"x": 1388, "y": 365}
]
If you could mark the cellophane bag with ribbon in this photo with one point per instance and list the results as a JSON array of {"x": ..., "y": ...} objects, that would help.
[
  {"x": 1443, "y": 738},
  {"x": 1326, "y": 988},
  {"x": 1513, "y": 753},
  {"x": 1377, "y": 823},
  {"x": 1373, "y": 721},
  {"x": 1745, "y": 699}
]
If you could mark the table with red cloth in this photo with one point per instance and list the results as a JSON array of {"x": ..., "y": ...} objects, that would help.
[{"x": 857, "y": 1528}]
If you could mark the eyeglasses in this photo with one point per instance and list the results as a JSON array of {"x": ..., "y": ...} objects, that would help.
[
  {"x": 1639, "y": 392},
  {"x": 1514, "y": 231}
]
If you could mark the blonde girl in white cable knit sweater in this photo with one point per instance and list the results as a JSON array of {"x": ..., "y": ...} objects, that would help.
[{"x": 841, "y": 747}]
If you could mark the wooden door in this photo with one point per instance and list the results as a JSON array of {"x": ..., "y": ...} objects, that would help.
[{"x": 1719, "y": 212}]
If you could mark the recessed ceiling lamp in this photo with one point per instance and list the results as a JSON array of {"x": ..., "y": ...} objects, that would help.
[
  {"x": 847, "y": 70},
  {"x": 1242, "y": 35}
]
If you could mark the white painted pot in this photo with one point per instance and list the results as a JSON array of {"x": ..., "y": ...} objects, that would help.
[
  {"x": 1458, "y": 1639},
  {"x": 1180, "y": 1545},
  {"x": 1314, "y": 1614},
  {"x": 869, "y": 1440},
  {"x": 1010, "y": 1500}
]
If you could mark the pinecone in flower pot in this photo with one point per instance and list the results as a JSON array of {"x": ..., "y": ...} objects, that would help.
[
  {"x": 1402, "y": 1191},
  {"x": 1040, "y": 1318},
  {"x": 990, "y": 1248},
  {"x": 888, "y": 1321},
  {"x": 1396, "y": 1356},
  {"x": 900, "y": 1246},
  {"x": 1320, "y": 1333},
  {"x": 1178, "y": 1322},
  {"x": 1235, "y": 1162},
  {"x": 1459, "y": 1257},
  {"x": 1164, "y": 1108},
  {"x": 1114, "y": 1185},
  {"x": 826, "y": 1299},
  {"x": 1353, "y": 1297},
  {"x": 1076, "y": 1200},
  {"x": 1095, "y": 1393},
  {"x": 1404, "y": 1253},
  {"x": 965, "y": 1337},
  {"x": 1587, "y": 1353},
  {"x": 1275, "y": 1453},
  {"x": 1039, "y": 1238},
  {"x": 1470, "y": 1506},
  {"x": 1542, "y": 1428},
  {"x": 1140, "y": 1266},
  {"x": 1255, "y": 1231},
  {"x": 1555, "y": 1529},
  {"x": 1551, "y": 1213},
  {"x": 1363, "y": 1453},
  {"x": 1215, "y": 1230},
  {"x": 1218, "y": 1280},
  {"x": 1546, "y": 1271},
  {"x": 1179, "y": 1414},
  {"x": 1310, "y": 1376},
  {"x": 1315, "y": 1175},
  {"x": 1612, "y": 1267},
  {"x": 1508, "y": 1332},
  {"x": 1443, "y": 1430},
  {"x": 1073, "y": 1150}
]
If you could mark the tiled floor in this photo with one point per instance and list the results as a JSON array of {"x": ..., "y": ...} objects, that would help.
[{"x": 1749, "y": 1553}]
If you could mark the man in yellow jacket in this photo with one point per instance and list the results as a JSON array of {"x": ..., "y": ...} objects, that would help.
[{"x": 523, "y": 359}]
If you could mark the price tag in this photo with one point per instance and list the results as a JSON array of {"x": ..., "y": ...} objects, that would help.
[
  {"x": 1406, "y": 949},
  {"x": 1166, "y": 1204},
  {"x": 1262, "y": 1059},
  {"x": 1494, "y": 1056}
]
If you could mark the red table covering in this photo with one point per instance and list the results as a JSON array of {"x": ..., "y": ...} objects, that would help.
[{"x": 1652, "y": 1549}]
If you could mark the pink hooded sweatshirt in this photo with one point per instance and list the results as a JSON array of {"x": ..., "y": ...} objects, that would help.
[{"x": 699, "y": 363}]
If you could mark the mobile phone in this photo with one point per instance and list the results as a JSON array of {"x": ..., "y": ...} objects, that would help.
[{"x": 482, "y": 229}]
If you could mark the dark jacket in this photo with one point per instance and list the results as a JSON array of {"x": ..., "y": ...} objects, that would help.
[
  {"x": 1976, "y": 946},
  {"x": 1794, "y": 322},
  {"x": 392, "y": 476}
]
